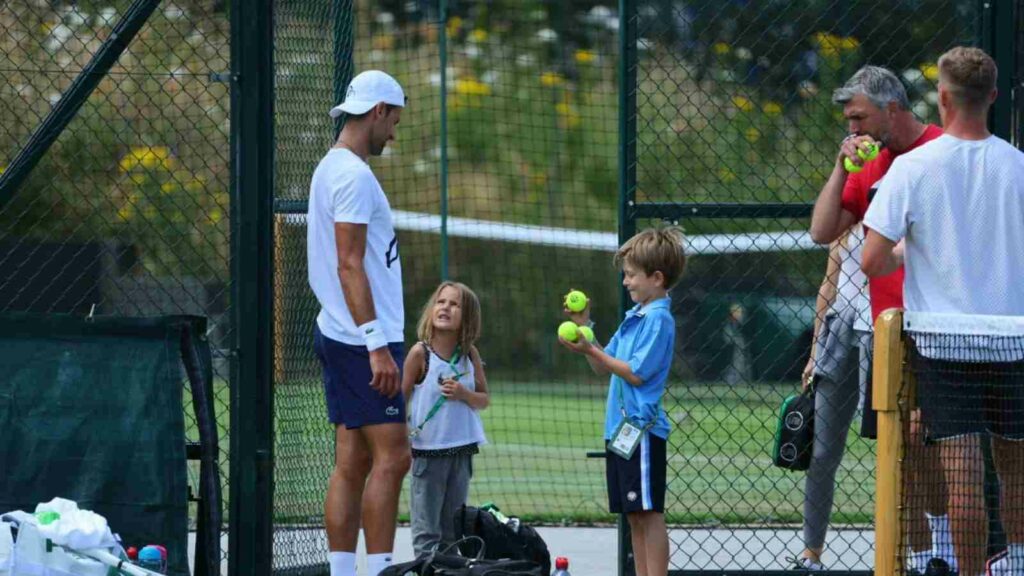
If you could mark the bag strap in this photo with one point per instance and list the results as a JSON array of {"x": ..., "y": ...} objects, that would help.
[{"x": 479, "y": 554}]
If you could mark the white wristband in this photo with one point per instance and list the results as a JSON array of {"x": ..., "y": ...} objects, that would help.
[{"x": 373, "y": 335}]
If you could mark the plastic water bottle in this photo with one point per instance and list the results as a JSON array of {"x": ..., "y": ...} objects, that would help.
[
  {"x": 152, "y": 558},
  {"x": 561, "y": 566}
]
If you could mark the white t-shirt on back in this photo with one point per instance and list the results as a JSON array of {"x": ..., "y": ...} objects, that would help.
[
  {"x": 344, "y": 189},
  {"x": 960, "y": 206}
]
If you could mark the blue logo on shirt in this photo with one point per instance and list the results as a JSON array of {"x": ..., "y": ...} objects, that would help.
[{"x": 392, "y": 254}]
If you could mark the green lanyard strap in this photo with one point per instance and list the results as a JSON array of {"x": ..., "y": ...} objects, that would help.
[{"x": 453, "y": 363}]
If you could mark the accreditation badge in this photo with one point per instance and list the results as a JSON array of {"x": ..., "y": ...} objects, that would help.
[{"x": 625, "y": 439}]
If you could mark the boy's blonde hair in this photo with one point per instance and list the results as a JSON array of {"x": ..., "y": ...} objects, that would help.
[
  {"x": 469, "y": 331},
  {"x": 656, "y": 250}
]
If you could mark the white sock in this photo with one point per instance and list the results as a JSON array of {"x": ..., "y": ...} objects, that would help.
[
  {"x": 942, "y": 539},
  {"x": 342, "y": 563},
  {"x": 919, "y": 560},
  {"x": 377, "y": 562},
  {"x": 1015, "y": 556}
]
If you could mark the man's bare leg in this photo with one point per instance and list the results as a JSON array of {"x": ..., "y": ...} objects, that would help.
[
  {"x": 391, "y": 457},
  {"x": 345, "y": 489},
  {"x": 964, "y": 471},
  {"x": 1009, "y": 461}
]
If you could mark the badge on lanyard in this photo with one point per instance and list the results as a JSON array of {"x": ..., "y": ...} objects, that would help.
[
  {"x": 627, "y": 435},
  {"x": 625, "y": 439}
]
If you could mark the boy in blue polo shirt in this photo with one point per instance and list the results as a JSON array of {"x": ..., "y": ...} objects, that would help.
[{"x": 638, "y": 357}]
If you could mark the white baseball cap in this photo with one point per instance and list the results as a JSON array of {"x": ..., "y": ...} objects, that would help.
[{"x": 368, "y": 89}]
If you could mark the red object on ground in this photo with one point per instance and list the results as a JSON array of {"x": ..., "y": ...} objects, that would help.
[{"x": 132, "y": 552}]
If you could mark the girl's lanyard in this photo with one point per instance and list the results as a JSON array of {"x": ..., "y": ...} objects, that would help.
[{"x": 453, "y": 363}]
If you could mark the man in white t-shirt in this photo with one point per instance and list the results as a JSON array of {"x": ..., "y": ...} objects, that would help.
[
  {"x": 958, "y": 204},
  {"x": 356, "y": 274}
]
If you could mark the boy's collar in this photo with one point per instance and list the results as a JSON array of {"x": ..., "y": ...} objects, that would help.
[{"x": 640, "y": 310}]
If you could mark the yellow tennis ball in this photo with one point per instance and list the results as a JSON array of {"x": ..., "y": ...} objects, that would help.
[
  {"x": 868, "y": 152},
  {"x": 575, "y": 301},
  {"x": 568, "y": 330},
  {"x": 851, "y": 167},
  {"x": 587, "y": 333}
]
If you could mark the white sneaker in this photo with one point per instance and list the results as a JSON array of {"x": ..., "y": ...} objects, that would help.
[{"x": 806, "y": 565}]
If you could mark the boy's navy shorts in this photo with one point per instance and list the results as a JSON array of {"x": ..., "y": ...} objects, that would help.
[
  {"x": 347, "y": 377},
  {"x": 637, "y": 484}
]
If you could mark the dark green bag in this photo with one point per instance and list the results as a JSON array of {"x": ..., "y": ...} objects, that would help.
[{"x": 794, "y": 434}]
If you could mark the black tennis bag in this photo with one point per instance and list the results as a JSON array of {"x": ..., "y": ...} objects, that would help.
[
  {"x": 794, "y": 436},
  {"x": 506, "y": 538},
  {"x": 449, "y": 563}
]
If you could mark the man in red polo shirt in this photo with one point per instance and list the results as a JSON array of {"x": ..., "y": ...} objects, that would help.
[{"x": 876, "y": 106}]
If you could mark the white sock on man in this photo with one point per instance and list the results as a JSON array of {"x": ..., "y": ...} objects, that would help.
[
  {"x": 1015, "y": 555},
  {"x": 377, "y": 562},
  {"x": 942, "y": 539},
  {"x": 342, "y": 563}
]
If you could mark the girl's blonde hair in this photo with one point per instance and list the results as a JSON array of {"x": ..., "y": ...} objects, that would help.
[{"x": 469, "y": 331}]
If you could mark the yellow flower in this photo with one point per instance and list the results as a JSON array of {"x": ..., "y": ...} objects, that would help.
[
  {"x": 197, "y": 184},
  {"x": 585, "y": 56},
  {"x": 139, "y": 178},
  {"x": 743, "y": 103},
  {"x": 472, "y": 87},
  {"x": 721, "y": 48},
  {"x": 567, "y": 115},
  {"x": 752, "y": 134},
  {"x": 126, "y": 212},
  {"x": 930, "y": 71},
  {"x": 726, "y": 175},
  {"x": 772, "y": 108},
  {"x": 828, "y": 44},
  {"x": 168, "y": 187},
  {"x": 551, "y": 79},
  {"x": 147, "y": 157},
  {"x": 454, "y": 25},
  {"x": 849, "y": 43},
  {"x": 478, "y": 35},
  {"x": 383, "y": 42},
  {"x": 216, "y": 215},
  {"x": 3, "y": 169}
]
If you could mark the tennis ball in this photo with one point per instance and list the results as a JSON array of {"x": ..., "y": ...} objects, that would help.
[
  {"x": 568, "y": 330},
  {"x": 868, "y": 152},
  {"x": 575, "y": 301},
  {"x": 587, "y": 333}
]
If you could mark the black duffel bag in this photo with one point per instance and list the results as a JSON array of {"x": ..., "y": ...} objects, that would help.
[
  {"x": 505, "y": 538},
  {"x": 448, "y": 563}
]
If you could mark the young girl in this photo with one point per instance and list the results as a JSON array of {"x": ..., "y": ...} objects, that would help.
[{"x": 444, "y": 383}]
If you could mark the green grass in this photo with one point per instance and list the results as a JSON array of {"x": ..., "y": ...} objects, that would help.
[{"x": 535, "y": 466}]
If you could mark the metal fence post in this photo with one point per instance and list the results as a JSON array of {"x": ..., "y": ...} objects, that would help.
[
  {"x": 252, "y": 411},
  {"x": 627, "y": 191}
]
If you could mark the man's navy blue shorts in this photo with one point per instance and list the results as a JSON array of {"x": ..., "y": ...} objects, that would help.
[{"x": 347, "y": 377}]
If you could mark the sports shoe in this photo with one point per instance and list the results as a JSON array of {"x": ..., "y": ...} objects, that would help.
[
  {"x": 935, "y": 567},
  {"x": 938, "y": 567},
  {"x": 803, "y": 564},
  {"x": 998, "y": 565}
]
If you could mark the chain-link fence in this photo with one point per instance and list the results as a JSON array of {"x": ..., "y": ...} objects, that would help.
[
  {"x": 506, "y": 175},
  {"x": 736, "y": 133},
  {"x": 127, "y": 214},
  {"x": 513, "y": 127}
]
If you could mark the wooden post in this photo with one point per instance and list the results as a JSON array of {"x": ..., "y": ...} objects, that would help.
[{"x": 888, "y": 378}]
